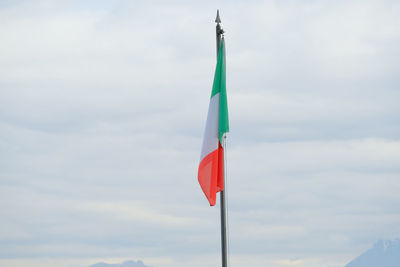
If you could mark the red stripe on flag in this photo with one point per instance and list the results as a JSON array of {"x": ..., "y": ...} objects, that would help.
[{"x": 211, "y": 174}]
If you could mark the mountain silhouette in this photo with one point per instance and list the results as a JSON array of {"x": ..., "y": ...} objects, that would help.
[
  {"x": 124, "y": 264},
  {"x": 384, "y": 253}
]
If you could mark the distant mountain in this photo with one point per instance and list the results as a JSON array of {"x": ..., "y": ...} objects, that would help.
[
  {"x": 125, "y": 264},
  {"x": 385, "y": 253}
]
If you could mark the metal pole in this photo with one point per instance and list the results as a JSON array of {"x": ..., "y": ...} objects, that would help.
[
  {"x": 219, "y": 32},
  {"x": 224, "y": 248}
]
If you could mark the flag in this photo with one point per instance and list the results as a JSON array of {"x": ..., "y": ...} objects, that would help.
[{"x": 211, "y": 167}]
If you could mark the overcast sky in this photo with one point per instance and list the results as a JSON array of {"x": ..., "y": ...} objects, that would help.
[{"x": 103, "y": 106}]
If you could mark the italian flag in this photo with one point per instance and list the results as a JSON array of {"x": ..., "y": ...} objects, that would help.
[{"x": 211, "y": 167}]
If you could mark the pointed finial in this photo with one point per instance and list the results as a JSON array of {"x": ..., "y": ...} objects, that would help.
[{"x": 217, "y": 19}]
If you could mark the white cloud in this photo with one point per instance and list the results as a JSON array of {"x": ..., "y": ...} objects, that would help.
[{"x": 102, "y": 107}]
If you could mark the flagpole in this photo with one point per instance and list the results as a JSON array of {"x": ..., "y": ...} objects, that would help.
[{"x": 219, "y": 33}]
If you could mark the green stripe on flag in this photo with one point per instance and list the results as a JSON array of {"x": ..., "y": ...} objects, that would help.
[{"x": 219, "y": 86}]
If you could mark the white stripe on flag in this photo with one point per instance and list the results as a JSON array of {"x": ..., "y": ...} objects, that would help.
[{"x": 210, "y": 141}]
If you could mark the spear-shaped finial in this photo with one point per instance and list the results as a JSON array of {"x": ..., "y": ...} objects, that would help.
[
  {"x": 217, "y": 19},
  {"x": 219, "y": 31}
]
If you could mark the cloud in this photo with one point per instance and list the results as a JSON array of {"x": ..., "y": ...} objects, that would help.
[{"x": 102, "y": 107}]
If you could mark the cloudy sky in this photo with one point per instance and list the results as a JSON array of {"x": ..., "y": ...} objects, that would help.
[{"x": 102, "y": 109}]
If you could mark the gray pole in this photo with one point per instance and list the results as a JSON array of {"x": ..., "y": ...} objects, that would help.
[{"x": 219, "y": 32}]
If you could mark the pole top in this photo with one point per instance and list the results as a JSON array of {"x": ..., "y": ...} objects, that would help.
[{"x": 217, "y": 19}]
